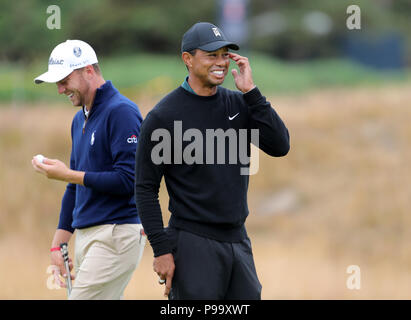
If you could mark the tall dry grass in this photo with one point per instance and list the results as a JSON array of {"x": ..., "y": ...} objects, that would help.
[{"x": 339, "y": 198}]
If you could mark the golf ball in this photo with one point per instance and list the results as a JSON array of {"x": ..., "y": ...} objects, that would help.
[{"x": 39, "y": 158}]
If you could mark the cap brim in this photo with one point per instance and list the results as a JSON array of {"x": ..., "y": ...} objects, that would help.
[
  {"x": 213, "y": 46},
  {"x": 52, "y": 77}
]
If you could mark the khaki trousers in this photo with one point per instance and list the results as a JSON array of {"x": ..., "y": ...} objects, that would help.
[{"x": 105, "y": 259}]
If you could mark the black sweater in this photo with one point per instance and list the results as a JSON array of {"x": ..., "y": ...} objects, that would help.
[{"x": 206, "y": 198}]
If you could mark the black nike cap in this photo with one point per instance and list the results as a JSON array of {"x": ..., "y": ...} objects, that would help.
[{"x": 207, "y": 37}]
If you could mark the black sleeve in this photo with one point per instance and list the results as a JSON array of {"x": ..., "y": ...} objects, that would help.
[
  {"x": 148, "y": 176},
  {"x": 273, "y": 134}
]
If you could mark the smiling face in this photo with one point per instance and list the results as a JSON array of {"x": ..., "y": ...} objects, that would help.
[
  {"x": 75, "y": 87},
  {"x": 207, "y": 69}
]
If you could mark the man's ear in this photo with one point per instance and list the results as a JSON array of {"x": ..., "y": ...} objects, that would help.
[
  {"x": 89, "y": 71},
  {"x": 187, "y": 59}
]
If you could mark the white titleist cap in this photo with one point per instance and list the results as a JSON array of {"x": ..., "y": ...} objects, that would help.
[{"x": 67, "y": 57}]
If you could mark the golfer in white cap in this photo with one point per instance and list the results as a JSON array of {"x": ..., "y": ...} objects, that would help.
[{"x": 98, "y": 201}]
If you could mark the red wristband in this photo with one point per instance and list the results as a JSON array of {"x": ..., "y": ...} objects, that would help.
[{"x": 55, "y": 249}]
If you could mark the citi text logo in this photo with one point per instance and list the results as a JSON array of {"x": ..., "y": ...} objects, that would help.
[{"x": 132, "y": 139}]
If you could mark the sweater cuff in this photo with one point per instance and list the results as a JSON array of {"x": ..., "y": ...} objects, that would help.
[
  {"x": 161, "y": 248},
  {"x": 160, "y": 243},
  {"x": 66, "y": 228},
  {"x": 89, "y": 179},
  {"x": 253, "y": 97}
]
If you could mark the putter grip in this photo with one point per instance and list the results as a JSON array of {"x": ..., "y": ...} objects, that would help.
[{"x": 64, "y": 252}]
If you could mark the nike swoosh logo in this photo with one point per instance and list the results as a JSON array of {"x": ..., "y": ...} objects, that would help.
[{"x": 231, "y": 118}]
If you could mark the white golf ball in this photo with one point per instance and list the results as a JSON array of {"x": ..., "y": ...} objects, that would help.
[{"x": 40, "y": 158}]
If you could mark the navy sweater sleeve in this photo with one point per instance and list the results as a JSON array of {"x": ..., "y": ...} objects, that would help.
[
  {"x": 69, "y": 200},
  {"x": 67, "y": 207},
  {"x": 147, "y": 184},
  {"x": 123, "y": 121},
  {"x": 274, "y": 138}
]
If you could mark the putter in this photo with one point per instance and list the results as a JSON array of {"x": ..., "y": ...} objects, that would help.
[{"x": 64, "y": 252}]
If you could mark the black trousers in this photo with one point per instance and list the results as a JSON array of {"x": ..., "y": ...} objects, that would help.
[{"x": 207, "y": 269}]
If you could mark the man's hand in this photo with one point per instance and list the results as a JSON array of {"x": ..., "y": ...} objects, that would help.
[
  {"x": 164, "y": 267},
  {"x": 244, "y": 79},
  {"x": 57, "y": 170},
  {"x": 58, "y": 261},
  {"x": 60, "y": 236},
  {"x": 51, "y": 168}
]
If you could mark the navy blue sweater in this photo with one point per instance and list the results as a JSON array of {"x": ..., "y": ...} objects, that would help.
[
  {"x": 103, "y": 145},
  {"x": 207, "y": 199}
]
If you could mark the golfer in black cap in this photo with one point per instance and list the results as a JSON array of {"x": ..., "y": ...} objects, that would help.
[{"x": 205, "y": 252}]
